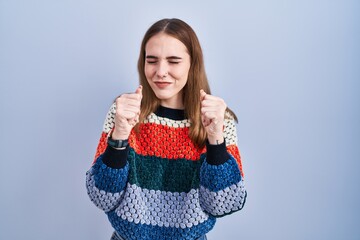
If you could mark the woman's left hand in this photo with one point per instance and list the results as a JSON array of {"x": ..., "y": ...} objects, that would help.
[{"x": 212, "y": 116}]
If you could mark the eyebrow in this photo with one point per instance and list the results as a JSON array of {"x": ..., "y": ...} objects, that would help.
[{"x": 170, "y": 57}]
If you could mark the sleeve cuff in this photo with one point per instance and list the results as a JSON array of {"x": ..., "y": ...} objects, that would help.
[
  {"x": 216, "y": 154},
  {"x": 114, "y": 158}
]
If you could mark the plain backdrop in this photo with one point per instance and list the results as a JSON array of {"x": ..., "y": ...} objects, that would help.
[{"x": 289, "y": 69}]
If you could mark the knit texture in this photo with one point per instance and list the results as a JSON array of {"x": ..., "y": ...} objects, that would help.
[{"x": 167, "y": 189}]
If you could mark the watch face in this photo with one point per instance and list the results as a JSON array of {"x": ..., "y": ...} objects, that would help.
[{"x": 122, "y": 143}]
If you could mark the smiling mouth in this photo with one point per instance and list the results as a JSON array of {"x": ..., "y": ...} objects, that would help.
[{"x": 162, "y": 84}]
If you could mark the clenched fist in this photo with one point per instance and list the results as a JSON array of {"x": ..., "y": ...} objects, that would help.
[
  {"x": 212, "y": 117},
  {"x": 127, "y": 113}
]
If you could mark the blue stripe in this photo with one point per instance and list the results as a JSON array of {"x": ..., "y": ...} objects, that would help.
[
  {"x": 132, "y": 231},
  {"x": 109, "y": 179},
  {"x": 219, "y": 177}
]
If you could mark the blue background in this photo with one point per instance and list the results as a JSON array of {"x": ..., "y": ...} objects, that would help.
[{"x": 289, "y": 69}]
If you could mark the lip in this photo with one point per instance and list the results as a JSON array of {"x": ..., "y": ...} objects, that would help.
[{"x": 162, "y": 84}]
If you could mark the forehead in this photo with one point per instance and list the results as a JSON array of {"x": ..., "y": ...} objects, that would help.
[{"x": 164, "y": 44}]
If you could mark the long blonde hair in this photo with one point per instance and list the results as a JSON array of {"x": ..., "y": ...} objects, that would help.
[{"x": 197, "y": 79}]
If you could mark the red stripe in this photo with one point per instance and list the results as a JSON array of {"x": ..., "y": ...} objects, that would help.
[
  {"x": 166, "y": 142},
  {"x": 101, "y": 146},
  {"x": 234, "y": 151}
]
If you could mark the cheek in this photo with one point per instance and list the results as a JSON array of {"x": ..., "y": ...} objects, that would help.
[
  {"x": 182, "y": 73},
  {"x": 149, "y": 72}
]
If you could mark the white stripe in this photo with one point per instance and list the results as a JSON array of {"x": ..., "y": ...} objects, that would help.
[
  {"x": 110, "y": 119},
  {"x": 230, "y": 132},
  {"x": 152, "y": 118}
]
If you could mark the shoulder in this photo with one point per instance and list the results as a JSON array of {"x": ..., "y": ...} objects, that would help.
[
  {"x": 230, "y": 132},
  {"x": 229, "y": 114},
  {"x": 110, "y": 118}
]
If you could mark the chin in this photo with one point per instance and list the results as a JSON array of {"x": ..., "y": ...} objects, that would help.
[{"x": 162, "y": 96}]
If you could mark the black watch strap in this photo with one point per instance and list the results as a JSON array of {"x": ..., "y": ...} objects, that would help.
[{"x": 117, "y": 143}]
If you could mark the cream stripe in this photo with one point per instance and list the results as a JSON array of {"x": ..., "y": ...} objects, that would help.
[
  {"x": 152, "y": 118},
  {"x": 110, "y": 119},
  {"x": 230, "y": 132}
]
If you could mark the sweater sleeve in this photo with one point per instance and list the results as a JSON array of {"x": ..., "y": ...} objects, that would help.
[
  {"x": 107, "y": 178},
  {"x": 222, "y": 189}
]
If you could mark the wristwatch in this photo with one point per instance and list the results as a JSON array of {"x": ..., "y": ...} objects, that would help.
[{"x": 117, "y": 143}]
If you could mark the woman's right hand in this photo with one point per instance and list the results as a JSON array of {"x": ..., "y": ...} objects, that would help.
[{"x": 127, "y": 114}]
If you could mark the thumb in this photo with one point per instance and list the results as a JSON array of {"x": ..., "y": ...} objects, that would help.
[
  {"x": 202, "y": 94},
  {"x": 139, "y": 91}
]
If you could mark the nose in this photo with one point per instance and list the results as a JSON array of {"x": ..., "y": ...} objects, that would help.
[{"x": 162, "y": 69}]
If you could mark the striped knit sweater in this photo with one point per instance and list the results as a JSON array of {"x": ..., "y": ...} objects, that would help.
[{"x": 161, "y": 186}]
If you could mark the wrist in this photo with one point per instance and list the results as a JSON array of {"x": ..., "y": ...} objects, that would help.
[{"x": 119, "y": 136}]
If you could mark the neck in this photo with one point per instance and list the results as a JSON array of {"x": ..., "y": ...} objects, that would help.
[{"x": 174, "y": 103}]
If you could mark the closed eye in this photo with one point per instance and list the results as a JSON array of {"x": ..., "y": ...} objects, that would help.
[
  {"x": 174, "y": 59},
  {"x": 151, "y": 59},
  {"x": 151, "y": 62}
]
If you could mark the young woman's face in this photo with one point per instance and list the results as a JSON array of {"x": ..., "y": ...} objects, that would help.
[{"x": 167, "y": 65}]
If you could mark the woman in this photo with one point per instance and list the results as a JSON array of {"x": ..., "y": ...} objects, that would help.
[{"x": 167, "y": 164}]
